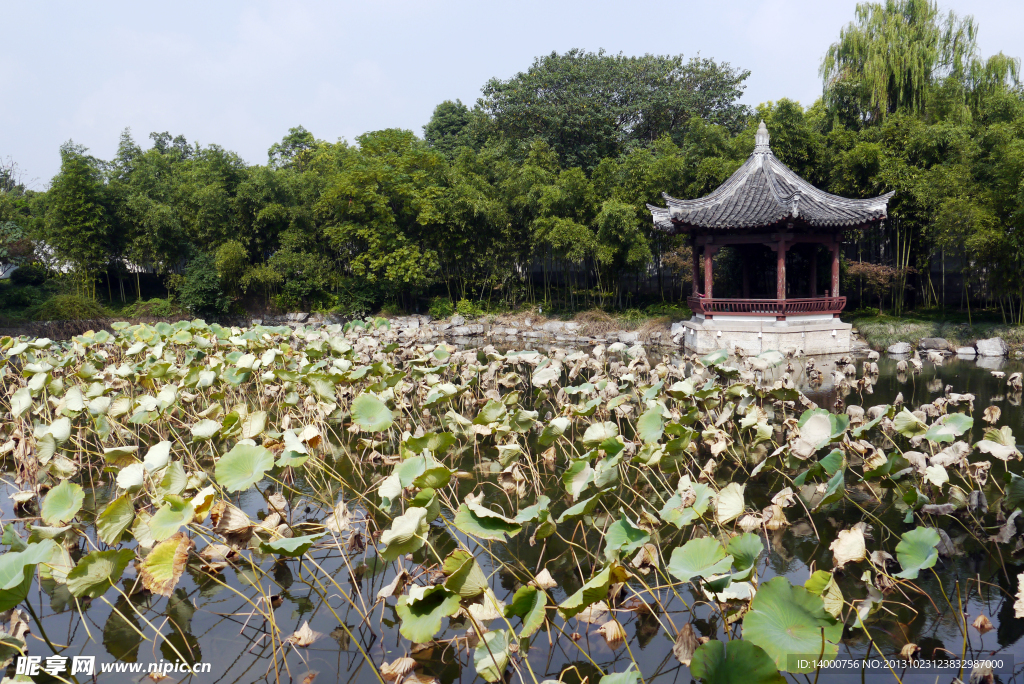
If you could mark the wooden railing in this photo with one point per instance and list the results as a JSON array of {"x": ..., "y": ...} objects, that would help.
[{"x": 766, "y": 307}]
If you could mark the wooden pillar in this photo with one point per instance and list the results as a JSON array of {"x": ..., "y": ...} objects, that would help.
[
  {"x": 709, "y": 252},
  {"x": 744, "y": 258},
  {"x": 835, "y": 266},
  {"x": 696, "y": 266},
  {"x": 780, "y": 270},
  {"x": 814, "y": 271}
]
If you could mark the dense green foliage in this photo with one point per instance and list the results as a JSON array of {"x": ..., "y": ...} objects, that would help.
[{"x": 537, "y": 193}]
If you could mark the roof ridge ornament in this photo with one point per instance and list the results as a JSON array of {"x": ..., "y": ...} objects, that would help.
[{"x": 761, "y": 139}]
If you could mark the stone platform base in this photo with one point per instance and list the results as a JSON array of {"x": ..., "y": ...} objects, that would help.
[{"x": 802, "y": 334}]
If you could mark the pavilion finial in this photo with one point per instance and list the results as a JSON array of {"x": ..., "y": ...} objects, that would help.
[{"x": 761, "y": 139}]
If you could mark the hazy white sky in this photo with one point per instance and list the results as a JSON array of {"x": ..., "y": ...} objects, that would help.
[{"x": 239, "y": 74}]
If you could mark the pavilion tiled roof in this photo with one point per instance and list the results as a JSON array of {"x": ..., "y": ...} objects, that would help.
[{"x": 763, "y": 192}]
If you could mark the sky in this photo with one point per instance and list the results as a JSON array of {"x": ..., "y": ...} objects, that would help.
[{"x": 240, "y": 74}]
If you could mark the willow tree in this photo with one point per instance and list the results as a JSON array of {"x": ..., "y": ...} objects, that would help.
[{"x": 895, "y": 51}]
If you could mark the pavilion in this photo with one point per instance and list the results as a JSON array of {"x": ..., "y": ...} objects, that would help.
[{"x": 765, "y": 205}]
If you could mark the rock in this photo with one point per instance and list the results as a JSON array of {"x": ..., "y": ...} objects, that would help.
[
  {"x": 256, "y": 321},
  {"x": 628, "y": 337},
  {"x": 458, "y": 320},
  {"x": 899, "y": 348},
  {"x": 677, "y": 328},
  {"x": 936, "y": 343},
  {"x": 297, "y": 317},
  {"x": 572, "y": 326},
  {"x": 966, "y": 351},
  {"x": 994, "y": 346},
  {"x": 528, "y": 323},
  {"x": 461, "y": 330},
  {"x": 553, "y": 326}
]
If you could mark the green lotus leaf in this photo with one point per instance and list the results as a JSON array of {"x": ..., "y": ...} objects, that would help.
[
  {"x": 114, "y": 519},
  {"x": 909, "y": 425},
  {"x": 158, "y": 456},
  {"x": 492, "y": 412},
  {"x": 21, "y": 401},
  {"x": 533, "y": 513},
  {"x": 254, "y": 424},
  {"x": 483, "y": 523},
  {"x": 949, "y": 427},
  {"x": 786, "y": 620},
  {"x": 371, "y": 414},
  {"x": 433, "y": 478},
  {"x": 623, "y": 538},
  {"x": 584, "y": 507},
  {"x": 98, "y": 571},
  {"x": 738, "y": 662},
  {"x": 699, "y": 558},
  {"x": 715, "y": 357},
  {"x": 17, "y": 570},
  {"x": 676, "y": 514},
  {"x": 917, "y": 550},
  {"x": 435, "y": 442},
  {"x": 205, "y": 429},
  {"x": 290, "y": 547},
  {"x": 577, "y": 477},
  {"x": 491, "y": 655},
  {"x": 553, "y": 430},
  {"x": 651, "y": 425},
  {"x": 62, "y": 503},
  {"x": 465, "y": 576},
  {"x": 530, "y": 604},
  {"x": 120, "y": 456},
  {"x": 423, "y": 609},
  {"x": 630, "y": 676},
  {"x": 407, "y": 534},
  {"x": 170, "y": 517},
  {"x": 599, "y": 432},
  {"x": 745, "y": 549},
  {"x": 243, "y": 466},
  {"x": 596, "y": 589},
  {"x": 131, "y": 477}
]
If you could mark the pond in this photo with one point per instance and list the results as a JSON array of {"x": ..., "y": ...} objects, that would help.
[{"x": 348, "y": 506}]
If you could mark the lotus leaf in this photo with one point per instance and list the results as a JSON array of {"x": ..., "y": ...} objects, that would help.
[{"x": 243, "y": 466}]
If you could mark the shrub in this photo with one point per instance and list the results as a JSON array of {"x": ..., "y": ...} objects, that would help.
[
  {"x": 29, "y": 274},
  {"x": 441, "y": 307},
  {"x": 154, "y": 308},
  {"x": 469, "y": 309},
  {"x": 201, "y": 292},
  {"x": 70, "y": 307},
  {"x": 12, "y": 297},
  {"x": 231, "y": 261}
]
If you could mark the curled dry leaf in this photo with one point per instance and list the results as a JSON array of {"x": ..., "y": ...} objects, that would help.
[
  {"x": 910, "y": 651},
  {"x": 1018, "y": 605},
  {"x": 613, "y": 632},
  {"x": 397, "y": 669},
  {"x": 278, "y": 504},
  {"x": 303, "y": 636},
  {"x": 396, "y": 586},
  {"x": 992, "y": 414},
  {"x": 593, "y": 613},
  {"x": 848, "y": 547},
  {"x": 686, "y": 644},
  {"x": 544, "y": 580},
  {"x": 231, "y": 524},
  {"x": 982, "y": 624}
]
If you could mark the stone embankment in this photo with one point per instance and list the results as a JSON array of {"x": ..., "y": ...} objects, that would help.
[{"x": 994, "y": 347}]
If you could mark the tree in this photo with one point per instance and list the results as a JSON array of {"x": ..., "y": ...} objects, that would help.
[
  {"x": 453, "y": 126},
  {"x": 897, "y": 50},
  {"x": 78, "y": 227},
  {"x": 291, "y": 148},
  {"x": 588, "y": 106}
]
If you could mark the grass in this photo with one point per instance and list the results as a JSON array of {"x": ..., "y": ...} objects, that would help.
[{"x": 880, "y": 331}]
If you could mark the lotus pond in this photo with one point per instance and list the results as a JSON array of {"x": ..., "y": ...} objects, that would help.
[{"x": 348, "y": 505}]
